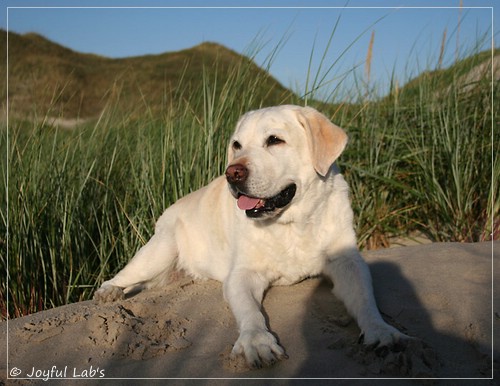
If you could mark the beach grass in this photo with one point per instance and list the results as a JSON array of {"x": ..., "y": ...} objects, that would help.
[{"x": 78, "y": 203}]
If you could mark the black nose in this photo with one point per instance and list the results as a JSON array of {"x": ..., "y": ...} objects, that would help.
[{"x": 236, "y": 174}]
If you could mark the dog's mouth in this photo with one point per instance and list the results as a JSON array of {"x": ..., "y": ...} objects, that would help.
[{"x": 256, "y": 207}]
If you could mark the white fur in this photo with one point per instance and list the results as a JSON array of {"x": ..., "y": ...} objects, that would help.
[{"x": 206, "y": 234}]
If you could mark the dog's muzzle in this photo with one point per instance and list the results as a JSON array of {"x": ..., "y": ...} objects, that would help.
[
  {"x": 256, "y": 207},
  {"x": 269, "y": 205}
]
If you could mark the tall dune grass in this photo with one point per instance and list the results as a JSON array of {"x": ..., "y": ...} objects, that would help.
[
  {"x": 82, "y": 201},
  {"x": 425, "y": 158}
]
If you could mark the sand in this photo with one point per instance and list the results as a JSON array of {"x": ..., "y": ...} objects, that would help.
[{"x": 440, "y": 293}]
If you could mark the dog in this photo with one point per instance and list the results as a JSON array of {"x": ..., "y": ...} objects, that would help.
[{"x": 279, "y": 215}]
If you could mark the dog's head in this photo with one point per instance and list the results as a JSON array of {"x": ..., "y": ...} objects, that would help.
[{"x": 274, "y": 155}]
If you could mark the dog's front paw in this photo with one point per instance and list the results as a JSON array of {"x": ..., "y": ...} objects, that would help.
[
  {"x": 109, "y": 293},
  {"x": 383, "y": 335},
  {"x": 259, "y": 347},
  {"x": 392, "y": 352}
]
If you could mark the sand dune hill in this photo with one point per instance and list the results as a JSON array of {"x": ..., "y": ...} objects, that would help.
[{"x": 440, "y": 294}]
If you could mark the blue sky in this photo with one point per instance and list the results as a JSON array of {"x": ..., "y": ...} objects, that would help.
[{"x": 407, "y": 38}]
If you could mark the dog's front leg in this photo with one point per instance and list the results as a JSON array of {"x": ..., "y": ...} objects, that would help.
[
  {"x": 353, "y": 285},
  {"x": 244, "y": 289},
  {"x": 152, "y": 260}
]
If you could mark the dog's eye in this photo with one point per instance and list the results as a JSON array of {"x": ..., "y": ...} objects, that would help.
[
  {"x": 236, "y": 145},
  {"x": 273, "y": 140}
]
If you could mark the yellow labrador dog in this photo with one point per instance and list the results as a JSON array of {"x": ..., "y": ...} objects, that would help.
[{"x": 280, "y": 214}]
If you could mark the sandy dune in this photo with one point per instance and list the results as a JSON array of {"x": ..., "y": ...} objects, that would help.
[{"x": 438, "y": 293}]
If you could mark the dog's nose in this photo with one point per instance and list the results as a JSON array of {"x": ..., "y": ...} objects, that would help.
[{"x": 236, "y": 173}]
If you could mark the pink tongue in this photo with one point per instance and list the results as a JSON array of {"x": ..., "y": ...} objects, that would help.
[{"x": 246, "y": 203}]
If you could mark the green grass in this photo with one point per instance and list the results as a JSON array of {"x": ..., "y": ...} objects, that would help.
[
  {"x": 428, "y": 167},
  {"x": 426, "y": 159},
  {"x": 82, "y": 201}
]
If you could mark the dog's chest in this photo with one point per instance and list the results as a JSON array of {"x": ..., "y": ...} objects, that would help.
[{"x": 285, "y": 257}]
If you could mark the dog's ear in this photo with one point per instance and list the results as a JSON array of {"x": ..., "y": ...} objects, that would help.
[{"x": 326, "y": 141}]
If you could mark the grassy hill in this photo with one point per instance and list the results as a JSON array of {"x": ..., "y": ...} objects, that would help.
[
  {"x": 46, "y": 77},
  {"x": 466, "y": 75},
  {"x": 81, "y": 202}
]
